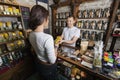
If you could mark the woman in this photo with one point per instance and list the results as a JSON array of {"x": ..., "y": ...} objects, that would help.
[{"x": 42, "y": 43}]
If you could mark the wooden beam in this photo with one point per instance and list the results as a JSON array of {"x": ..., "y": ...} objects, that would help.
[{"x": 112, "y": 20}]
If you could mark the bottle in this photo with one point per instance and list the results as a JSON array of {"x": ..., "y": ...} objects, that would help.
[
  {"x": 98, "y": 51},
  {"x": 78, "y": 43},
  {"x": 1, "y": 62},
  {"x": 72, "y": 78}
]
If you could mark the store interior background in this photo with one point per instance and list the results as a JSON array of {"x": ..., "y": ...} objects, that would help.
[
  {"x": 95, "y": 4},
  {"x": 92, "y": 5}
]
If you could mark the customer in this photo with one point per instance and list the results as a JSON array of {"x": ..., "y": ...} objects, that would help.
[
  {"x": 42, "y": 43},
  {"x": 70, "y": 34}
]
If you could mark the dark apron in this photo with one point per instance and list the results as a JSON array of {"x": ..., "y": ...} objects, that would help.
[{"x": 47, "y": 71}]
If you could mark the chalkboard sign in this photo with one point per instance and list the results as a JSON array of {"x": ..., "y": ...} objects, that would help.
[{"x": 25, "y": 14}]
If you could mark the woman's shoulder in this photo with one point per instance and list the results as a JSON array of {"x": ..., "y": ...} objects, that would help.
[{"x": 48, "y": 36}]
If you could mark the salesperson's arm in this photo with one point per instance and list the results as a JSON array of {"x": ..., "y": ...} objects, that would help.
[{"x": 74, "y": 39}]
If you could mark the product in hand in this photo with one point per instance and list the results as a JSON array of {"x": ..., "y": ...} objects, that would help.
[{"x": 58, "y": 39}]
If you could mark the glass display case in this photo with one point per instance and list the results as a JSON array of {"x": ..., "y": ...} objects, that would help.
[{"x": 84, "y": 59}]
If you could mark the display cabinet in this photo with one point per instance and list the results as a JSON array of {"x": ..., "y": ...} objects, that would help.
[
  {"x": 81, "y": 66},
  {"x": 93, "y": 22},
  {"x": 12, "y": 42}
]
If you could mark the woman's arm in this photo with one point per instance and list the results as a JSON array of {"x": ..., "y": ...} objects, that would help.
[{"x": 50, "y": 50}]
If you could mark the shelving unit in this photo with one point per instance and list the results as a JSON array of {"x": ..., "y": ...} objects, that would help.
[
  {"x": 10, "y": 35},
  {"x": 59, "y": 19},
  {"x": 14, "y": 59},
  {"x": 93, "y": 23}
]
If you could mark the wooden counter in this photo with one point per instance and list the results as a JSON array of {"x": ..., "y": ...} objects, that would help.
[{"x": 88, "y": 70}]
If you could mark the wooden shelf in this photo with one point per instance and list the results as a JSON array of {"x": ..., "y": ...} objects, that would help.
[
  {"x": 94, "y": 18},
  {"x": 9, "y": 4},
  {"x": 5, "y": 53},
  {"x": 115, "y": 35},
  {"x": 11, "y": 41},
  {"x": 13, "y": 30},
  {"x": 1, "y": 15},
  {"x": 91, "y": 30}
]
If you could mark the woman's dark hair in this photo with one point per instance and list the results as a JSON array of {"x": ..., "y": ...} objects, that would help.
[{"x": 37, "y": 16}]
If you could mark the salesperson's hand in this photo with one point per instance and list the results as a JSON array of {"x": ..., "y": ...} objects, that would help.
[{"x": 62, "y": 41}]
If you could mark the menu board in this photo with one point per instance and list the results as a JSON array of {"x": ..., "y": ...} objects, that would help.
[{"x": 25, "y": 14}]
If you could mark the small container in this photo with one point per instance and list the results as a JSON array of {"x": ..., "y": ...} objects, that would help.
[
  {"x": 85, "y": 14},
  {"x": 80, "y": 14},
  {"x": 92, "y": 13}
]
